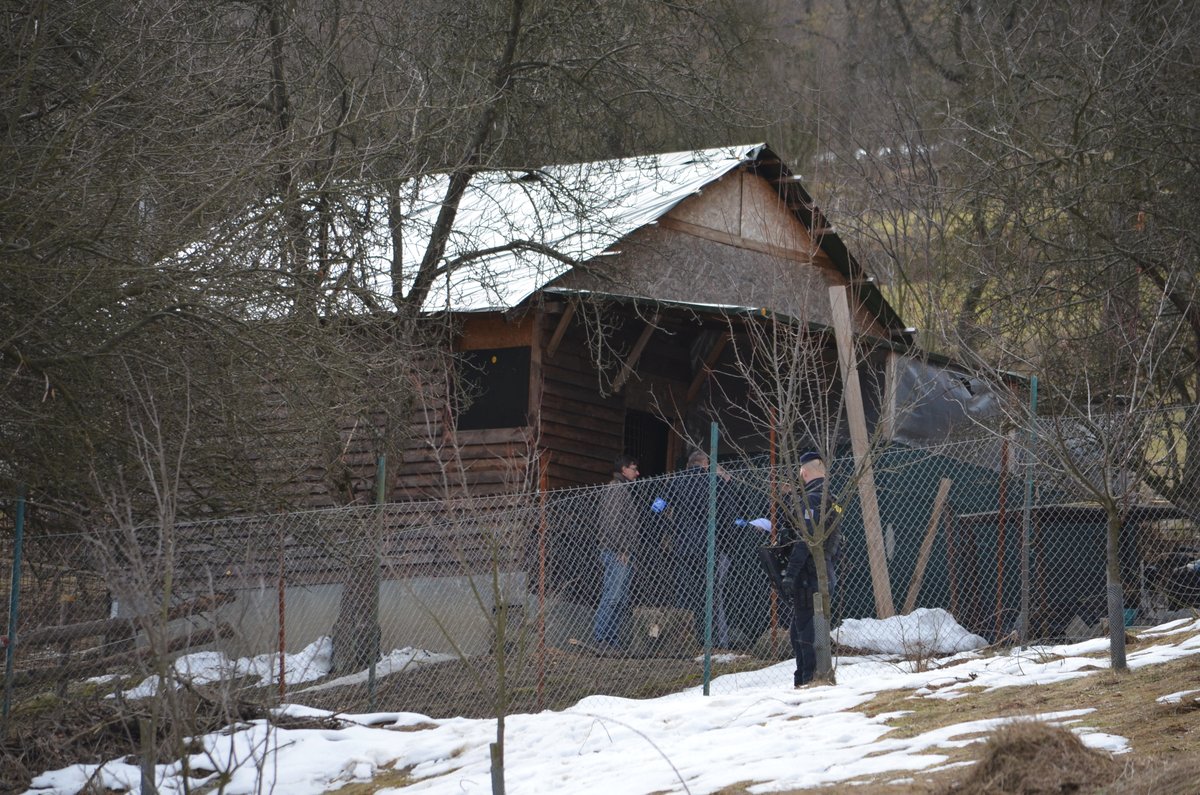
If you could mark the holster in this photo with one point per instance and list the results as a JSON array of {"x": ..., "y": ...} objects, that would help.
[{"x": 774, "y": 560}]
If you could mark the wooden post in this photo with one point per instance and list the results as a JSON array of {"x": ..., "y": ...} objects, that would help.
[
  {"x": 914, "y": 587},
  {"x": 856, "y": 416},
  {"x": 543, "y": 488},
  {"x": 563, "y": 322}
]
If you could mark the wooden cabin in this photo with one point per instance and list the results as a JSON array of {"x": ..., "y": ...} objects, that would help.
[
  {"x": 609, "y": 345},
  {"x": 599, "y": 320}
]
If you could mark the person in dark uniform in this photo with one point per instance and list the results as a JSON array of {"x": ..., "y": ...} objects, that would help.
[{"x": 799, "y": 581}]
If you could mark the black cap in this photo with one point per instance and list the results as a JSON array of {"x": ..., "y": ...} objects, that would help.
[{"x": 811, "y": 455}]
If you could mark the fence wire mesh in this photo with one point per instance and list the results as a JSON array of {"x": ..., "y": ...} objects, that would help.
[{"x": 467, "y": 606}]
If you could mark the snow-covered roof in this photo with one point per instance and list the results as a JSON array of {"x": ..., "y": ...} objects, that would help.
[
  {"x": 533, "y": 225},
  {"x": 515, "y": 230}
]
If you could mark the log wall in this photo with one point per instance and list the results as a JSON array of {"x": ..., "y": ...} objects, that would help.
[{"x": 581, "y": 430}]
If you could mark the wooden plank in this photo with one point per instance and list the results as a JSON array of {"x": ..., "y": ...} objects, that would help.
[
  {"x": 473, "y": 467},
  {"x": 578, "y": 378},
  {"x": 488, "y": 436},
  {"x": 468, "y": 452},
  {"x": 631, "y": 361},
  {"x": 436, "y": 488},
  {"x": 481, "y": 331},
  {"x": 581, "y": 460},
  {"x": 597, "y": 420},
  {"x": 914, "y": 587},
  {"x": 557, "y": 393},
  {"x": 559, "y": 408},
  {"x": 562, "y": 476},
  {"x": 559, "y": 330},
  {"x": 706, "y": 368},
  {"x": 560, "y": 433},
  {"x": 796, "y": 254},
  {"x": 856, "y": 417}
]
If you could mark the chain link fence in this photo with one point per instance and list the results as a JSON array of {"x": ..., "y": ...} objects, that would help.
[{"x": 470, "y": 606}]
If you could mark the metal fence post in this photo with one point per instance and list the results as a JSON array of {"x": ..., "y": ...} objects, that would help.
[
  {"x": 14, "y": 598},
  {"x": 543, "y": 488},
  {"x": 376, "y": 574},
  {"x": 1026, "y": 517},
  {"x": 280, "y": 595},
  {"x": 711, "y": 556}
]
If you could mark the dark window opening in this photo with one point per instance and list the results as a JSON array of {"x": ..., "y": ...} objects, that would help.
[{"x": 492, "y": 388}]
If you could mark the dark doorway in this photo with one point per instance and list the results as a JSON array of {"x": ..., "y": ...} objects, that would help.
[{"x": 646, "y": 440}]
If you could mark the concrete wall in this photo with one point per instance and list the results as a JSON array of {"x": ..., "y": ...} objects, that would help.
[{"x": 441, "y": 614}]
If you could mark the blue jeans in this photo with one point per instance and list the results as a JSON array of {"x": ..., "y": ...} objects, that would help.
[{"x": 614, "y": 599}]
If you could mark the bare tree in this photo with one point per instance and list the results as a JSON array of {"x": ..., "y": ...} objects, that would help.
[
  {"x": 1023, "y": 175},
  {"x": 223, "y": 198},
  {"x": 235, "y": 177},
  {"x": 793, "y": 394}
]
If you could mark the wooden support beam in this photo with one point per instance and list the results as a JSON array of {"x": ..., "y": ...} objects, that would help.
[
  {"x": 561, "y": 328},
  {"x": 87, "y": 629},
  {"x": 914, "y": 587},
  {"x": 839, "y": 303},
  {"x": 706, "y": 368},
  {"x": 634, "y": 355}
]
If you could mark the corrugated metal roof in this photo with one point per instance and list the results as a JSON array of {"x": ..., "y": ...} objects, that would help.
[{"x": 522, "y": 219}]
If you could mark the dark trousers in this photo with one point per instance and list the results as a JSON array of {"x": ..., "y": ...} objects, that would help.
[
  {"x": 800, "y": 632},
  {"x": 690, "y": 578}
]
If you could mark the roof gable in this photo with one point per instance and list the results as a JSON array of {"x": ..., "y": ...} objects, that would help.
[
  {"x": 744, "y": 207},
  {"x": 580, "y": 211}
]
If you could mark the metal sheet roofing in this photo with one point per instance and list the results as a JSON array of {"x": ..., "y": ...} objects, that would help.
[{"x": 517, "y": 230}]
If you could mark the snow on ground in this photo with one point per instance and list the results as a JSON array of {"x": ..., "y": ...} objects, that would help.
[{"x": 685, "y": 742}]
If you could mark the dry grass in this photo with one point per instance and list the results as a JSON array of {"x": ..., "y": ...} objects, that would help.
[
  {"x": 1035, "y": 757},
  {"x": 1164, "y": 738},
  {"x": 1027, "y": 757}
]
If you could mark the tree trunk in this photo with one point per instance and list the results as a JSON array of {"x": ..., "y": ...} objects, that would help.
[
  {"x": 1116, "y": 598},
  {"x": 356, "y": 635},
  {"x": 822, "y": 640}
]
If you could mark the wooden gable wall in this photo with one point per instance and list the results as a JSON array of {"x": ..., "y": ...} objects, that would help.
[
  {"x": 581, "y": 430},
  {"x": 735, "y": 243}
]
